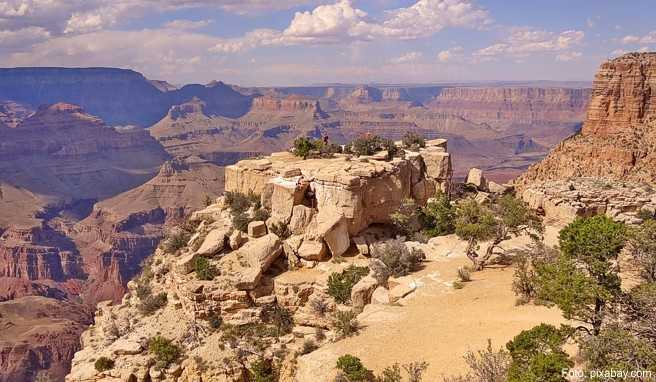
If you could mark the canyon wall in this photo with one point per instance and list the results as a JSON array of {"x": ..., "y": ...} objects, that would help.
[{"x": 618, "y": 139}]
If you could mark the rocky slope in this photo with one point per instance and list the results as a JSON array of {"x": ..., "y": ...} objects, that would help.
[
  {"x": 618, "y": 139},
  {"x": 223, "y": 326},
  {"x": 13, "y": 113}
]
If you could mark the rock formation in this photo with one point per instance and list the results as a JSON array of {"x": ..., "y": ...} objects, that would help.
[
  {"x": 618, "y": 138},
  {"x": 608, "y": 167},
  {"x": 13, "y": 113},
  {"x": 220, "y": 325}
]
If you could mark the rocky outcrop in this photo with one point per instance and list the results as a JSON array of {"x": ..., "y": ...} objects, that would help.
[
  {"x": 13, "y": 113},
  {"x": 618, "y": 139},
  {"x": 39, "y": 334},
  {"x": 288, "y": 104}
]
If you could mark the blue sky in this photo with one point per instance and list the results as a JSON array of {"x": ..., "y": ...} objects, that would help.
[{"x": 295, "y": 42}]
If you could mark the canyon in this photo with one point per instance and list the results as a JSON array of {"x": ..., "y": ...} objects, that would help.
[{"x": 99, "y": 164}]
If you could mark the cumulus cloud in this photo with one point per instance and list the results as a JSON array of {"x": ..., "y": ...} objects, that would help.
[
  {"x": 18, "y": 38},
  {"x": 649, "y": 38},
  {"x": 523, "y": 42},
  {"x": 342, "y": 22},
  {"x": 450, "y": 54},
  {"x": 188, "y": 24},
  {"x": 569, "y": 56},
  {"x": 407, "y": 58}
]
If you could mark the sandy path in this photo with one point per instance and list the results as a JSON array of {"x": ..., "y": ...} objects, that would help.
[{"x": 436, "y": 323}]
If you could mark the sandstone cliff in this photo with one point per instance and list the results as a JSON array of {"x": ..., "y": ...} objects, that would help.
[
  {"x": 13, "y": 113},
  {"x": 618, "y": 139}
]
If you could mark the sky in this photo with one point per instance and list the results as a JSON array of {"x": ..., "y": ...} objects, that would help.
[{"x": 302, "y": 42}]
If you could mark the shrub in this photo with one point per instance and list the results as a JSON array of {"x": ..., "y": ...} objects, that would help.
[
  {"x": 319, "y": 306},
  {"x": 175, "y": 240},
  {"x": 240, "y": 222},
  {"x": 215, "y": 321},
  {"x": 353, "y": 369},
  {"x": 263, "y": 370},
  {"x": 345, "y": 323},
  {"x": 399, "y": 259},
  {"x": 458, "y": 285},
  {"x": 204, "y": 270},
  {"x": 413, "y": 141},
  {"x": 485, "y": 365},
  {"x": 150, "y": 304},
  {"x": 464, "y": 274},
  {"x": 524, "y": 279},
  {"x": 303, "y": 146},
  {"x": 281, "y": 230},
  {"x": 618, "y": 349},
  {"x": 309, "y": 346},
  {"x": 537, "y": 354},
  {"x": 239, "y": 202},
  {"x": 261, "y": 214},
  {"x": 390, "y": 374},
  {"x": 407, "y": 219},
  {"x": 438, "y": 216},
  {"x": 341, "y": 284},
  {"x": 370, "y": 144},
  {"x": 164, "y": 350},
  {"x": 639, "y": 310},
  {"x": 415, "y": 370},
  {"x": 281, "y": 318},
  {"x": 103, "y": 364}
]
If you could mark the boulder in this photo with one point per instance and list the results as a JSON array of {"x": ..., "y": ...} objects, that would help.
[
  {"x": 313, "y": 250},
  {"x": 401, "y": 289},
  {"x": 482, "y": 198},
  {"x": 186, "y": 264},
  {"x": 362, "y": 291},
  {"x": 286, "y": 193},
  {"x": 333, "y": 229},
  {"x": 245, "y": 267},
  {"x": 380, "y": 296},
  {"x": 257, "y": 229},
  {"x": 477, "y": 179},
  {"x": 124, "y": 346},
  {"x": 497, "y": 188},
  {"x": 361, "y": 245},
  {"x": 213, "y": 243},
  {"x": 301, "y": 218},
  {"x": 237, "y": 239},
  {"x": 438, "y": 163}
]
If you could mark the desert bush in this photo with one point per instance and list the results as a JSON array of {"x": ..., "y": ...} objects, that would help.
[
  {"x": 240, "y": 222},
  {"x": 204, "y": 269},
  {"x": 390, "y": 374},
  {"x": 458, "y": 285},
  {"x": 104, "y": 364},
  {"x": 618, "y": 349},
  {"x": 537, "y": 354},
  {"x": 175, "y": 240},
  {"x": 319, "y": 335},
  {"x": 370, "y": 144},
  {"x": 646, "y": 215},
  {"x": 319, "y": 306},
  {"x": 143, "y": 289},
  {"x": 280, "y": 318},
  {"x": 261, "y": 214},
  {"x": 345, "y": 323},
  {"x": 413, "y": 141},
  {"x": 263, "y": 370},
  {"x": 281, "y": 230},
  {"x": 639, "y": 311},
  {"x": 415, "y": 370},
  {"x": 464, "y": 274},
  {"x": 305, "y": 147},
  {"x": 340, "y": 284},
  {"x": 308, "y": 346},
  {"x": 164, "y": 350},
  {"x": 476, "y": 223},
  {"x": 399, "y": 259},
  {"x": 523, "y": 279},
  {"x": 215, "y": 320},
  {"x": 642, "y": 247},
  {"x": 239, "y": 202},
  {"x": 407, "y": 218},
  {"x": 487, "y": 365},
  {"x": 438, "y": 216},
  {"x": 353, "y": 369},
  {"x": 152, "y": 303}
]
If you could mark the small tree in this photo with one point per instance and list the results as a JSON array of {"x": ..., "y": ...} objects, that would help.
[
  {"x": 585, "y": 278},
  {"x": 263, "y": 370},
  {"x": 537, "y": 354},
  {"x": 204, "y": 269},
  {"x": 103, "y": 364},
  {"x": 164, "y": 350},
  {"x": 642, "y": 246},
  {"x": 353, "y": 369},
  {"x": 476, "y": 223},
  {"x": 639, "y": 311},
  {"x": 413, "y": 141},
  {"x": 618, "y": 349},
  {"x": 399, "y": 259},
  {"x": 438, "y": 216}
]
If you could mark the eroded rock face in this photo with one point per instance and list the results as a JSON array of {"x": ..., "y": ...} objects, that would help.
[{"x": 618, "y": 139}]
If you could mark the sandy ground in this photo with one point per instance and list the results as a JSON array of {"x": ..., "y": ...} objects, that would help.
[{"x": 436, "y": 323}]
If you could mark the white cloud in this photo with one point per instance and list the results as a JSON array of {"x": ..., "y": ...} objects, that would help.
[
  {"x": 618, "y": 52},
  {"x": 188, "y": 24},
  {"x": 569, "y": 56},
  {"x": 407, "y": 58},
  {"x": 341, "y": 22},
  {"x": 526, "y": 41},
  {"x": 649, "y": 38},
  {"x": 450, "y": 54},
  {"x": 19, "y": 38}
]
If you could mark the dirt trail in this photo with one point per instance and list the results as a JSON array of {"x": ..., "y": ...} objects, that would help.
[{"x": 436, "y": 323}]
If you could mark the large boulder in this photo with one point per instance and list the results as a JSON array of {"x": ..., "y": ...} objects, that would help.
[
  {"x": 257, "y": 229},
  {"x": 477, "y": 179},
  {"x": 301, "y": 218},
  {"x": 362, "y": 291},
  {"x": 213, "y": 243},
  {"x": 245, "y": 267},
  {"x": 286, "y": 193},
  {"x": 313, "y": 250},
  {"x": 332, "y": 227}
]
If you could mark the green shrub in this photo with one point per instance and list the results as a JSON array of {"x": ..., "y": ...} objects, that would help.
[
  {"x": 261, "y": 214},
  {"x": 150, "y": 304},
  {"x": 215, "y": 321},
  {"x": 391, "y": 374},
  {"x": 537, "y": 354},
  {"x": 303, "y": 146},
  {"x": 618, "y": 349},
  {"x": 399, "y": 259},
  {"x": 239, "y": 202},
  {"x": 204, "y": 270},
  {"x": 371, "y": 144},
  {"x": 642, "y": 247},
  {"x": 281, "y": 230},
  {"x": 486, "y": 365},
  {"x": 415, "y": 370},
  {"x": 309, "y": 346},
  {"x": 263, "y": 370},
  {"x": 464, "y": 274},
  {"x": 164, "y": 350},
  {"x": 240, "y": 222},
  {"x": 438, "y": 216},
  {"x": 345, "y": 323},
  {"x": 407, "y": 219},
  {"x": 175, "y": 240},
  {"x": 458, "y": 285},
  {"x": 341, "y": 284},
  {"x": 413, "y": 141},
  {"x": 103, "y": 364},
  {"x": 281, "y": 319},
  {"x": 353, "y": 369}
]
